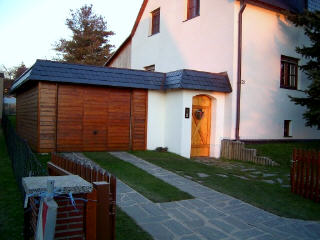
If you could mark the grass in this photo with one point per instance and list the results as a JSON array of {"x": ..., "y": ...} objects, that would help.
[
  {"x": 126, "y": 228},
  {"x": 151, "y": 187},
  {"x": 270, "y": 197},
  {"x": 11, "y": 214},
  {"x": 282, "y": 152},
  {"x": 13, "y": 120}
]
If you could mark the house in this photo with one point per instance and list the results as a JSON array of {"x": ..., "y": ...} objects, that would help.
[
  {"x": 249, "y": 40},
  {"x": 69, "y": 107}
]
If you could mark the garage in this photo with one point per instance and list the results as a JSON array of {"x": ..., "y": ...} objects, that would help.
[{"x": 67, "y": 107}]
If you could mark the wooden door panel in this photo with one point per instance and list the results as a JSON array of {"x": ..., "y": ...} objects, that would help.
[{"x": 201, "y": 127}]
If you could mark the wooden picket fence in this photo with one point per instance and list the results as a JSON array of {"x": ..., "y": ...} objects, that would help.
[
  {"x": 101, "y": 206},
  {"x": 305, "y": 174}
]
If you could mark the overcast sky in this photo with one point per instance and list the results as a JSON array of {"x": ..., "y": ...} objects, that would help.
[{"x": 28, "y": 29}]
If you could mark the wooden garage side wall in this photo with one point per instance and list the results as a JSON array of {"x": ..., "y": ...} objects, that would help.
[
  {"x": 47, "y": 116},
  {"x": 139, "y": 119},
  {"x": 27, "y": 116}
]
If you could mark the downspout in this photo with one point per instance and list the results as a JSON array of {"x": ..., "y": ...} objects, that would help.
[{"x": 242, "y": 8}]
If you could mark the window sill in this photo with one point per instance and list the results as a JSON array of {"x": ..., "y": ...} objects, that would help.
[
  {"x": 289, "y": 88},
  {"x": 188, "y": 19}
]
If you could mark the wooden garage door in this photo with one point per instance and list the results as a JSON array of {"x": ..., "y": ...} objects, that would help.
[{"x": 101, "y": 119}]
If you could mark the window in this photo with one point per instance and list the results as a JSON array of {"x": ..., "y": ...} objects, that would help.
[
  {"x": 150, "y": 68},
  {"x": 193, "y": 8},
  {"x": 155, "y": 27},
  {"x": 289, "y": 72},
  {"x": 287, "y": 128}
]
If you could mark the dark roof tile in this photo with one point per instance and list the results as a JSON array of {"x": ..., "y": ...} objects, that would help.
[{"x": 44, "y": 70}]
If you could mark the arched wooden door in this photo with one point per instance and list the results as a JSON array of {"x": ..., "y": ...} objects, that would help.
[{"x": 201, "y": 126}]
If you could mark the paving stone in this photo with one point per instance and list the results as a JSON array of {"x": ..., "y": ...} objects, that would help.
[
  {"x": 222, "y": 175},
  {"x": 268, "y": 181},
  {"x": 236, "y": 223},
  {"x": 188, "y": 212},
  {"x": 177, "y": 215},
  {"x": 189, "y": 177},
  {"x": 192, "y": 224},
  {"x": 126, "y": 203},
  {"x": 168, "y": 205},
  {"x": 313, "y": 229},
  {"x": 157, "y": 219},
  {"x": 246, "y": 234},
  {"x": 157, "y": 231},
  {"x": 136, "y": 212},
  {"x": 138, "y": 197},
  {"x": 153, "y": 209},
  {"x": 202, "y": 175},
  {"x": 264, "y": 237},
  {"x": 211, "y": 213},
  {"x": 191, "y": 237},
  {"x": 223, "y": 226},
  {"x": 176, "y": 228},
  {"x": 211, "y": 233}
]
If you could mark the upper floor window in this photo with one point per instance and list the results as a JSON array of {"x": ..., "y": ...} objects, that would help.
[
  {"x": 289, "y": 72},
  {"x": 155, "y": 24},
  {"x": 150, "y": 68},
  {"x": 193, "y": 8}
]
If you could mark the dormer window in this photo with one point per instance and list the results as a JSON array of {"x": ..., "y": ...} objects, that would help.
[
  {"x": 193, "y": 9},
  {"x": 155, "y": 24}
]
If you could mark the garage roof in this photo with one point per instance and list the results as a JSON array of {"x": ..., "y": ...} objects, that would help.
[{"x": 44, "y": 70}]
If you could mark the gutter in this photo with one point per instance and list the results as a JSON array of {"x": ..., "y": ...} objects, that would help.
[{"x": 242, "y": 8}]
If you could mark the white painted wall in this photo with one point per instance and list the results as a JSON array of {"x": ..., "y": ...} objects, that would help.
[
  {"x": 264, "y": 105},
  {"x": 204, "y": 43},
  {"x": 123, "y": 60},
  {"x": 168, "y": 127},
  {"x": 209, "y": 43}
]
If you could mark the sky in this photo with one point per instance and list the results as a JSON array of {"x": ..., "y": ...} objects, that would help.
[{"x": 28, "y": 29}]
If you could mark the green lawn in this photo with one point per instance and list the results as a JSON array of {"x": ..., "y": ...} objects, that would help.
[
  {"x": 11, "y": 208},
  {"x": 151, "y": 187},
  {"x": 282, "y": 152},
  {"x": 271, "y": 197},
  {"x": 126, "y": 228}
]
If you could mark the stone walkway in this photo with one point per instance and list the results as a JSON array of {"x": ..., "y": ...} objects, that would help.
[{"x": 210, "y": 215}]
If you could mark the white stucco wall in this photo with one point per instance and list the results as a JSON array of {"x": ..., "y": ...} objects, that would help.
[
  {"x": 204, "y": 43},
  {"x": 264, "y": 105},
  {"x": 210, "y": 43},
  {"x": 168, "y": 127}
]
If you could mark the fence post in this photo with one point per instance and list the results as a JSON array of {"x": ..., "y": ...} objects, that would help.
[
  {"x": 103, "y": 221},
  {"x": 91, "y": 216}
]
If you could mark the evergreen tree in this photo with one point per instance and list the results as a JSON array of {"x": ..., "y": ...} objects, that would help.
[
  {"x": 90, "y": 39},
  {"x": 310, "y": 22}
]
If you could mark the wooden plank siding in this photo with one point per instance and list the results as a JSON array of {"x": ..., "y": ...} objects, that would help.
[
  {"x": 27, "y": 115},
  {"x": 47, "y": 116},
  {"x": 139, "y": 112}
]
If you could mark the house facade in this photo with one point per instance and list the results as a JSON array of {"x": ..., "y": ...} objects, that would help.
[{"x": 251, "y": 41}]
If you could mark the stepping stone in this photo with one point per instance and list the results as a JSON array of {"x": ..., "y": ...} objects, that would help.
[
  {"x": 285, "y": 186},
  {"x": 256, "y": 173},
  {"x": 268, "y": 174},
  {"x": 268, "y": 181},
  {"x": 280, "y": 180},
  {"x": 241, "y": 177},
  {"x": 252, "y": 176},
  {"x": 202, "y": 175},
  {"x": 186, "y": 176},
  {"x": 222, "y": 175},
  {"x": 247, "y": 169}
]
